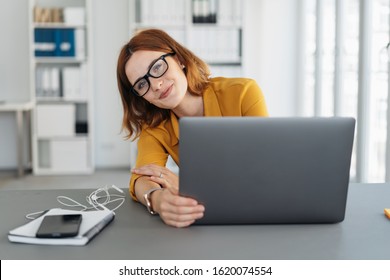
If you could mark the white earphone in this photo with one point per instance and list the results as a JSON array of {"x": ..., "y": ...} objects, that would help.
[{"x": 98, "y": 199}]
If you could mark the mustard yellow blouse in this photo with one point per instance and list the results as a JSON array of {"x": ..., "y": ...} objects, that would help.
[{"x": 223, "y": 97}]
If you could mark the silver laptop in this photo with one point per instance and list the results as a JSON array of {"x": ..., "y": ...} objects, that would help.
[{"x": 254, "y": 170}]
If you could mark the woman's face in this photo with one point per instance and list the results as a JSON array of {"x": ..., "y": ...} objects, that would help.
[{"x": 166, "y": 91}]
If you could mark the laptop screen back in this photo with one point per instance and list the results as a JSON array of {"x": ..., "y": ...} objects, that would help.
[{"x": 251, "y": 170}]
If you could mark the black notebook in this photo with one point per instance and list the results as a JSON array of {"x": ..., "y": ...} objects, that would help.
[{"x": 92, "y": 223}]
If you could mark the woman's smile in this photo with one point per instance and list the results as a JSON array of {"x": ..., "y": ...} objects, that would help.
[{"x": 166, "y": 92}]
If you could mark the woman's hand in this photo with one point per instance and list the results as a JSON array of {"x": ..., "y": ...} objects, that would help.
[
  {"x": 174, "y": 210},
  {"x": 161, "y": 175}
]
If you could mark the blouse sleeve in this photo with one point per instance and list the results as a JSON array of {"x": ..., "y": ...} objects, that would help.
[
  {"x": 253, "y": 102},
  {"x": 150, "y": 150}
]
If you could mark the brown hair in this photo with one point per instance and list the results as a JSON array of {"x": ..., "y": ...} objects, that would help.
[{"x": 139, "y": 112}]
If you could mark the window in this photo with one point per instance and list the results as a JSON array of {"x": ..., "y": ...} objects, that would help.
[{"x": 347, "y": 74}]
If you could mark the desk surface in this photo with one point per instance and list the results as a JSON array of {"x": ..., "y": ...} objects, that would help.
[
  {"x": 134, "y": 234},
  {"x": 16, "y": 106}
]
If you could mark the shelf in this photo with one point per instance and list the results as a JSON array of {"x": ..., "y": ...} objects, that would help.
[
  {"x": 225, "y": 63},
  {"x": 47, "y": 99},
  {"x": 61, "y": 86},
  {"x": 217, "y": 25},
  {"x": 62, "y": 138},
  {"x": 59, "y": 60},
  {"x": 57, "y": 25},
  {"x": 138, "y": 26}
]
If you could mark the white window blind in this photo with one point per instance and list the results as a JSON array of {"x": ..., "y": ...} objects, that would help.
[{"x": 346, "y": 73}]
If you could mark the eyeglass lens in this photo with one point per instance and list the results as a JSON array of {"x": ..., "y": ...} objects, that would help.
[{"x": 155, "y": 71}]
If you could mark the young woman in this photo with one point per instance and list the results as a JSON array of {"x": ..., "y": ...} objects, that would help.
[{"x": 161, "y": 81}]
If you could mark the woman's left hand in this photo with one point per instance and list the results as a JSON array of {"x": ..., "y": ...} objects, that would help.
[{"x": 161, "y": 175}]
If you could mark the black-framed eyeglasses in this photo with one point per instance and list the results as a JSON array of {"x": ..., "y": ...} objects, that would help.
[{"x": 157, "y": 69}]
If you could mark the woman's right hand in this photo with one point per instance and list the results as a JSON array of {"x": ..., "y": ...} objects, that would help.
[{"x": 176, "y": 210}]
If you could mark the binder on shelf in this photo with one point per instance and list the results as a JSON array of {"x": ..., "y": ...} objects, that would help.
[
  {"x": 38, "y": 82},
  {"x": 82, "y": 119},
  {"x": 156, "y": 12},
  {"x": 65, "y": 44},
  {"x": 216, "y": 45},
  {"x": 45, "y": 42},
  {"x": 59, "y": 42},
  {"x": 204, "y": 11},
  {"x": 230, "y": 12},
  {"x": 55, "y": 81},
  {"x": 71, "y": 82},
  {"x": 79, "y": 44},
  {"x": 47, "y": 82},
  {"x": 93, "y": 222},
  {"x": 74, "y": 83}
]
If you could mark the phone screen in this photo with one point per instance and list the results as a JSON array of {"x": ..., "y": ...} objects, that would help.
[{"x": 59, "y": 226}]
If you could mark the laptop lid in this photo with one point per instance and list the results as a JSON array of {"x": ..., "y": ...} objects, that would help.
[{"x": 254, "y": 170}]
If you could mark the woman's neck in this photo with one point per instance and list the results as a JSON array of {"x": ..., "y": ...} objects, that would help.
[{"x": 191, "y": 106}]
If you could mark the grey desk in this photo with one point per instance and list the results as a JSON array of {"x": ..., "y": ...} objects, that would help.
[
  {"x": 19, "y": 109},
  {"x": 134, "y": 234}
]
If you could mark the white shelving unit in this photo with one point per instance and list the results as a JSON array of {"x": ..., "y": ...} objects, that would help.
[
  {"x": 61, "y": 86},
  {"x": 212, "y": 29}
]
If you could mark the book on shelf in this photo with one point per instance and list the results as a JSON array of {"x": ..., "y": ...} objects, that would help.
[
  {"x": 93, "y": 222},
  {"x": 67, "y": 15},
  {"x": 48, "y": 15}
]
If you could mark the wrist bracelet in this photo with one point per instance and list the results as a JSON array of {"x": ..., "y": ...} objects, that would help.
[{"x": 148, "y": 201}]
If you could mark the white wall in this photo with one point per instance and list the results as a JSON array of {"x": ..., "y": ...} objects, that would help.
[
  {"x": 270, "y": 47},
  {"x": 14, "y": 73}
]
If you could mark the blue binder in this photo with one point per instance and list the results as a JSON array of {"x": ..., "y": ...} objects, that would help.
[
  {"x": 45, "y": 42},
  {"x": 54, "y": 42},
  {"x": 65, "y": 42}
]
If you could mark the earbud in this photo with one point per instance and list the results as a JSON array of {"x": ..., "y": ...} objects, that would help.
[{"x": 118, "y": 189}]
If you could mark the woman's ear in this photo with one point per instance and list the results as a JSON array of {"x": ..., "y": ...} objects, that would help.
[{"x": 182, "y": 66}]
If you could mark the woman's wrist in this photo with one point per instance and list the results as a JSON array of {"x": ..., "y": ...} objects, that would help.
[
  {"x": 148, "y": 199},
  {"x": 154, "y": 198}
]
